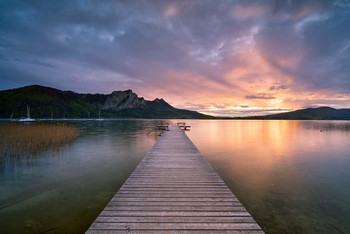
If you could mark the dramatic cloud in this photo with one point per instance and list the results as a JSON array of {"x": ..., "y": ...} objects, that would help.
[
  {"x": 260, "y": 96},
  {"x": 218, "y": 57}
]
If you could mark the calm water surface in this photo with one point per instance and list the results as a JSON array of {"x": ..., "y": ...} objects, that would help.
[{"x": 292, "y": 177}]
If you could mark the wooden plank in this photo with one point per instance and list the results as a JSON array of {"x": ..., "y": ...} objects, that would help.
[
  {"x": 179, "y": 195},
  {"x": 174, "y": 189},
  {"x": 161, "y": 219},
  {"x": 175, "y": 199},
  {"x": 175, "y": 203},
  {"x": 173, "y": 192},
  {"x": 173, "y": 185},
  {"x": 175, "y": 213},
  {"x": 176, "y": 226},
  {"x": 105, "y": 231},
  {"x": 112, "y": 207}
]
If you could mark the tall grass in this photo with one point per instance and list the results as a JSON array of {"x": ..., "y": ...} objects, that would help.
[{"x": 18, "y": 139}]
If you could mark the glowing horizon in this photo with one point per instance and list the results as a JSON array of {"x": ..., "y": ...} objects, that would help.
[{"x": 218, "y": 58}]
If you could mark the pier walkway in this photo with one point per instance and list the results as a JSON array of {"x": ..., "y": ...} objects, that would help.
[{"x": 174, "y": 190}]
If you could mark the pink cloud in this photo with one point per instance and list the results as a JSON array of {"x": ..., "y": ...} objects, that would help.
[
  {"x": 247, "y": 11},
  {"x": 171, "y": 10}
]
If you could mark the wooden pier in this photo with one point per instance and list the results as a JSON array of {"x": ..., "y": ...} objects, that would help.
[{"x": 174, "y": 190}]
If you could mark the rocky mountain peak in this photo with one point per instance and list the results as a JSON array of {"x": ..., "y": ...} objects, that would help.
[
  {"x": 158, "y": 100},
  {"x": 119, "y": 100}
]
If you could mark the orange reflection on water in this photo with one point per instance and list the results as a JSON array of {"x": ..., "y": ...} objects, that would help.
[
  {"x": 255, "y": 136},
  {"x": 255, "y": 154},
  {"x": 251, "y": 151},
  {"x": 281, "y": 170}
]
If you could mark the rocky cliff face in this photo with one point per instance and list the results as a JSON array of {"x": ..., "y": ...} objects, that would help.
[{"x": 119, "y": 100}]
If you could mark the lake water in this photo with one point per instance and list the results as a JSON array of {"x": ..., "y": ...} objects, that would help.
[{"x": 292, "y": 176}]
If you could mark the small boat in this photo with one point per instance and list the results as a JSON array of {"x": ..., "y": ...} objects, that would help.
[{"x": 28, "y": 119}]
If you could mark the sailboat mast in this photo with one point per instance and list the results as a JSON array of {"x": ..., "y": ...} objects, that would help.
[{"x": 28, "y": 112}]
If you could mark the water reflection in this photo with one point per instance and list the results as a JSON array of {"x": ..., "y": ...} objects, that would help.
[
  {"x": 64, "y": 190},
  {"x": 291, "y": 176}
]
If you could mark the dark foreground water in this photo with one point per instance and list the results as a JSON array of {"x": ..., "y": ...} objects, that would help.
[{"x": 292, "y": 176}]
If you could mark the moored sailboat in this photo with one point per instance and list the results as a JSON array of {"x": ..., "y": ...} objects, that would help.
[{"x": 28, "y": 119}]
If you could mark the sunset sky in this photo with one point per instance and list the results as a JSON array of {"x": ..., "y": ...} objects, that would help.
[{"x": 223, "y": 58}]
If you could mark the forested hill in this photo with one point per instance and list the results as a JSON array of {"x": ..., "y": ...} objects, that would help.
[
  {"x": 44, "y": 101},
  {"x": 321, "y": 113}
]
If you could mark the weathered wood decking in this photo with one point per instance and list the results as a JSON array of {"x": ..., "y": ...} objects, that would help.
[{"x": 174, "y": 189}]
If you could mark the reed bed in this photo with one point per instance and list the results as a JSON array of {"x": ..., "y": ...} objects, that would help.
[{"x": 18, "y": 139}]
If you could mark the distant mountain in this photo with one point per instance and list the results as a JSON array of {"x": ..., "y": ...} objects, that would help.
[
  {"x": 120, "y": 104},
  {"x": 322, "y": 113}
]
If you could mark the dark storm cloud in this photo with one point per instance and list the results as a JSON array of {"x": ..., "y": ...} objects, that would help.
[
  {"x": 194, "y": 49},
  {"x": 124, "y": 37},
  {"x": 317, "y": 31}
]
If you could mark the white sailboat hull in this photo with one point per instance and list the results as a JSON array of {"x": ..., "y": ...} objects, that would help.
[{"x": 26, "y": 120}]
